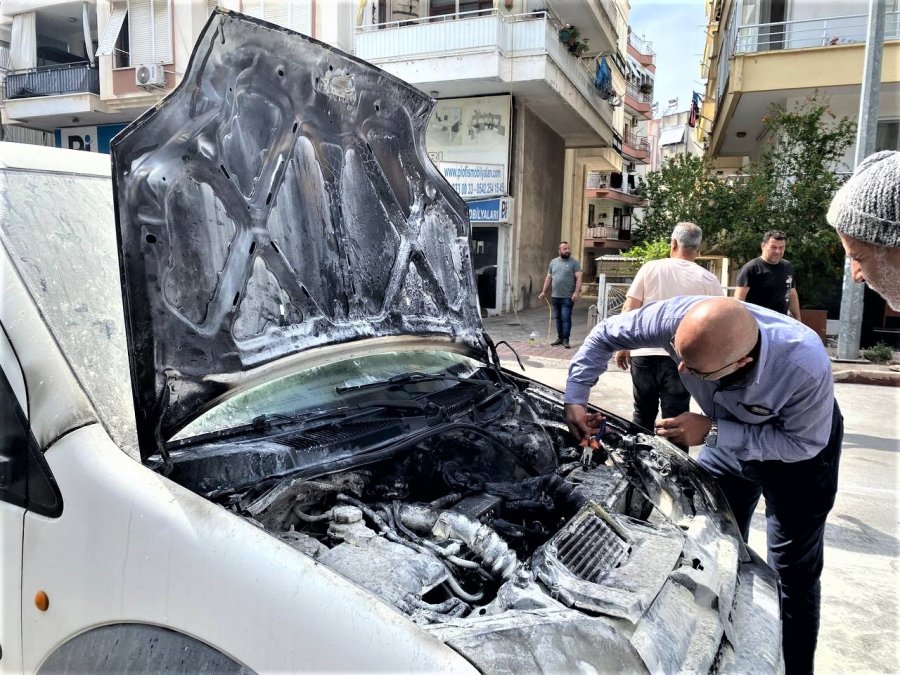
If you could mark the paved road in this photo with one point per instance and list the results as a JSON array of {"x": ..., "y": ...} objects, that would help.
[{"x": 861, "y": 581}]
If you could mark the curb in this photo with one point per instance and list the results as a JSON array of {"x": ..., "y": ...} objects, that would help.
[
  {"x": 541, "y": 356},
  {"x": 883, "y": 378}
]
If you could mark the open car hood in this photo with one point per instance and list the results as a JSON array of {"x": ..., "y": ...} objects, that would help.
[{"x": 279, "y": 199}]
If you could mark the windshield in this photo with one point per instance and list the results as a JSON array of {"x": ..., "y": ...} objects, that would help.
[
  {"x": 60, "y": 232},
  {"x": 323, "y": 386}
]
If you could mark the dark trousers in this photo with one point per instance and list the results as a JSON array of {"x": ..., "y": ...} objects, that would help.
[
  {"x": 562, "y": 309},
  {"x": 799, "y": 496},
  {"x": 655, "y": 381}
]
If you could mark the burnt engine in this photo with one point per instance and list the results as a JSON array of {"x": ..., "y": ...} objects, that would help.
[{"x": 494, "y": 507}]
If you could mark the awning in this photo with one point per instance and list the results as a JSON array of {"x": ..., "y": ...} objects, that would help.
[
  {"x": 113, "y": 27},
  {"x": 633, "y": 68},
  {"x": 672, "y": 135}
]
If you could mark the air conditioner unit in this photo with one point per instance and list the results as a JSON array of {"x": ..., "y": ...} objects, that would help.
[{"x": 150, "y": 76}]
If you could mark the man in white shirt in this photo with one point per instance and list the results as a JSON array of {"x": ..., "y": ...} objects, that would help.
[{"x": 654, "y": 375}]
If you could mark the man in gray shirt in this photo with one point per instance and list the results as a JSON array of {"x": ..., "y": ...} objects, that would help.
[{"x": 564, "y": 275}]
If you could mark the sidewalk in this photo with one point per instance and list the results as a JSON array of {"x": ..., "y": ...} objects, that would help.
[{"x": 515, "y": 328}]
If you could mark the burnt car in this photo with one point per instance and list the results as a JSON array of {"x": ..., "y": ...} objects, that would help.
[{"x": 298, "y": 449}]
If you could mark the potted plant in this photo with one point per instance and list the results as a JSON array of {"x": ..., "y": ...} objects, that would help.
[
  {"x": 580, "y": 47},
  {"x": 570, "y": 36},
  {"x": 646, "y": 88}
]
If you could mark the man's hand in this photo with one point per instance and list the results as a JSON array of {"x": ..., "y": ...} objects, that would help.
[
  {"x": 576, "y": 295},
  {"x": 541, "y": 295},
  {"x": 581, "y": 423},
  {"x": 688, "y": 428},
  {"x": 623, "y": 358}
]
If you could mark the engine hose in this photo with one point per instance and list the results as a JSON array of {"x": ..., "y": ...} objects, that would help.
[
  {"x": 458, "y": 590},
  {"x": 446, "y": 607},
  {"x": 309, "y": 518},
  {"x": 481, "y": 539},
  {"x": 443, "y": 553}
]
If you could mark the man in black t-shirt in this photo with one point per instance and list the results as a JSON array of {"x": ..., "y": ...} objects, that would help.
[{"x": 768, "y": 281}]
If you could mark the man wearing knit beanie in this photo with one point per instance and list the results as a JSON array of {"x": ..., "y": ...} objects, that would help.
[{"x": 866, "y": 214}]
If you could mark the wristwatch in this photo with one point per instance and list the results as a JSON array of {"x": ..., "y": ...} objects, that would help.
[{"x": 712, "y": 436}]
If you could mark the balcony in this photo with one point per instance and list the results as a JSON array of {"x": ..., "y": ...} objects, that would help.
[
  {"x": 482, "y": 53},
  {"x": 803, "y": 34},
  {"x": 635, "y": 147},
  {"x": 764, "y": 63},
  {"x": 641, "y": 51},
  {"x": 75, "y": 78},
  {"x": 611, "y": 233},
  {"x": 601, "y": 236},
  {"x": 639, "y": 101},
  {"x": 614, "y": 186}
]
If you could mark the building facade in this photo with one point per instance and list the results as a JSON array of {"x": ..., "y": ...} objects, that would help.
[
  {"x": 531, "y": 98},
  {"x": 764, "y": 52}
]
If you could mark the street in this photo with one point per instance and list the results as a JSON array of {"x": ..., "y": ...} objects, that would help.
[{"x": 861, "y": 581}]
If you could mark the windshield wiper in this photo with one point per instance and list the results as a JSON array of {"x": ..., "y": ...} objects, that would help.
[
  {"x": 406, "y": 378},
  {"x": 310, "y": 421}
]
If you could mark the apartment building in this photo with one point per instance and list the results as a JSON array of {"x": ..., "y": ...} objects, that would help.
[
  {"x": 521, "y": 117},
  {"x": 761, "y": 52},
  {"x": 603, "y": 206}
]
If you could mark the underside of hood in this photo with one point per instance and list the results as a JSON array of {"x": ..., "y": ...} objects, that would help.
[{"x": 280, "y": 199}]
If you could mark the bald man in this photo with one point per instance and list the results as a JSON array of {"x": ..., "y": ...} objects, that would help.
[{"x": 770, "y": 427}]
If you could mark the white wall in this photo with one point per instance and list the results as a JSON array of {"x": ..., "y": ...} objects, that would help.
[{"x": 847, "y": 105}]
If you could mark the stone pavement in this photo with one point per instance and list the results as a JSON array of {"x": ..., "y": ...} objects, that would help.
[{"x": 516, "y": 327}]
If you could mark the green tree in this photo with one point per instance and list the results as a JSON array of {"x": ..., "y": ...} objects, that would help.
[
  {"x": 679, "y": 191},
  {"x": 788, "y": 188},
  {"x": 651, "y": 250}
]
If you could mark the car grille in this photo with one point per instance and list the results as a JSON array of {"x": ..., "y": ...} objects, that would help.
[{"x": 591, "y": 548}]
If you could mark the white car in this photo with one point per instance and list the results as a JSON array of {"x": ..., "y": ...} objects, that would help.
[{"x": 250, "y": 419}]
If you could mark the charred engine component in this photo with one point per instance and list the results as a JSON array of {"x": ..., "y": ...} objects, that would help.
[
  {"x": 395, "y": 572},
  {"x": 591, "y": 563},
  {"x": 484, "y": 543}
]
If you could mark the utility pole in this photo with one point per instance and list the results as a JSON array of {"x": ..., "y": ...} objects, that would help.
[{"x": 852, "y": 294}]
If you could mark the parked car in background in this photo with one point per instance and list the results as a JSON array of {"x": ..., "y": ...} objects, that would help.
[{"x": 250, "y": 419}]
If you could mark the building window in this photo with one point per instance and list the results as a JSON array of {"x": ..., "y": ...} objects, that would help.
[
  {"x": 138, "y": 33},
  {"x": 123, "y": 49},
  {"x": 293, "y": 14},
  {"x": 887, "y": 135}
]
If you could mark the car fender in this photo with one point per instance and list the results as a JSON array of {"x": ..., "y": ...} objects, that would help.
[{"x": 133, "y": 547}]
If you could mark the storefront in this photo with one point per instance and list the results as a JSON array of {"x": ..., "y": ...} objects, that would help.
[
  {"x": 490, "y": 250},
  {"x": 469, "y": 141},
  {"x": 90, "y": 139}
]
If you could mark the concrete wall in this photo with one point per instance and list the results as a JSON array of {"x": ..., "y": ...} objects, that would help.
[
  {"x": 847, "y": 105},
  {"x": 538, "y": 178}
]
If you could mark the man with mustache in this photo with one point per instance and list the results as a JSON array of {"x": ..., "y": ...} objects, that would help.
[{"x": 866, "y": 214}]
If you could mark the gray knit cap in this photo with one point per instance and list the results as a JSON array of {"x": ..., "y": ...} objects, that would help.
[{"x": 867, "y": 207}]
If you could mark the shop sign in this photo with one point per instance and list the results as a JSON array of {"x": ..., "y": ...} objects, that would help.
[
  {"x": 469, "y": 141},
  {"x": 472, "y": 181},
  {"x": 489, "y": 210}
]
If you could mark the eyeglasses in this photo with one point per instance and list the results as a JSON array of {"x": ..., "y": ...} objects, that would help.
[{"x": 696, "y": 373}]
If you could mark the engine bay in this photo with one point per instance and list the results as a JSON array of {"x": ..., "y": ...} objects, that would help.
[{"x": 474, "y": 501}]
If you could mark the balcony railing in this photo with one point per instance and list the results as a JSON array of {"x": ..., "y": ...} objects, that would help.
[
  {"x": 604, "y": 232},
  {"x": 640, "y": 45},
  {"x": 77, "y": 78},
  {"x": 836, "y": 30},
  {"x": 601, "y": 232},
  {"x": 612, "y": 180},
  {"x": 511, "y": 35},
  {"x": 636, "y": 94},
  {"x": 636, "y": 142}
]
